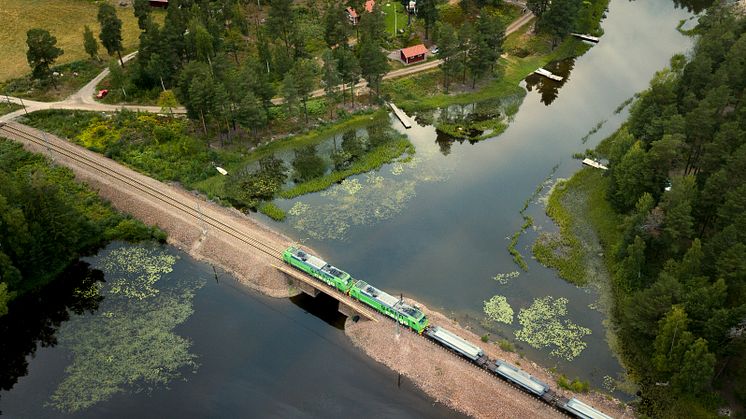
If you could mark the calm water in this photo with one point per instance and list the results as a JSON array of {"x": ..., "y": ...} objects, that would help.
[
  {"x": 253, "y": 357},
  {"x": 437, "y": 228}
]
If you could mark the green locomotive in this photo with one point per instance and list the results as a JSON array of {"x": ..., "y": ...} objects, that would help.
[
  {"x": 318, "y": 268},
  {"x": 360, "y": 290},
  {"x": 390, "y": 306}
]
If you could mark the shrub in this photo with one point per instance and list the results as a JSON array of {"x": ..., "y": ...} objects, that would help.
[
  {"x": 272, "y": 211},
  {"x": 575, "y": 385},
  {"x": 486, "y": 338},
  {"x": 506, "y": 345}
]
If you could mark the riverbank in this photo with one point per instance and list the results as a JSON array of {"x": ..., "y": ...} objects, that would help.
[
  {"x": 457, "y": 383},
  {"x": 579, "y": 250}
]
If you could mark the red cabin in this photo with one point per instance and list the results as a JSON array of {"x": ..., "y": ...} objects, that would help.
[{"x": 413, "y": 54}]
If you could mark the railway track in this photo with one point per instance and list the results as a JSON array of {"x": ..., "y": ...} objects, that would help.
[{"x": 100, "y": 167}]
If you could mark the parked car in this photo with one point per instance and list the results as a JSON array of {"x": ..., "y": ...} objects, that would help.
[
  {"x": 435, "y": 50},
  {"x": 102, "y": 93}
]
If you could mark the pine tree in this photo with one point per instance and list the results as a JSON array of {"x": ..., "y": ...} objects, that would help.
[
  {"x": 111, "y": 30},
  {"x": 331, "y": 79},
  {"x": 448, "y": 44},
  {"x": 428, "y": 12},
  {"x": 89, "y": 43}
]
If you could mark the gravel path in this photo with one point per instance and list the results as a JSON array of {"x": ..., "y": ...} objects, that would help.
[
  {"x": 455, "y": 382},
  {"x": 187, "y": 231}
]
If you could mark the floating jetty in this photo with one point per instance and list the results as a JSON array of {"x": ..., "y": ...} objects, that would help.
[
  {"x": 584, "y": 37},
  {"x": 548, "y": 74},
  {"x": 594, "y": 164},
  {"x": 401, "y": 115}
]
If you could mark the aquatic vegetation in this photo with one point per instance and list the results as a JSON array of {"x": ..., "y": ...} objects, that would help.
[
  {"x": 272, "y": 211},
  {"x": 504, "y": 278},
  {"x": 528, "y": 221},
  {"x": 498, "y": 309},
  {"x": 363, "y": 200},
  {"x": 624, "y": 104},
  {"x": 593, "y": 130},
  {"x": 130, "y": 342},
  {"x": 299, "y": 208},
  {"x": 133, "y": 271},
  {"x": 544, "y": 326}
]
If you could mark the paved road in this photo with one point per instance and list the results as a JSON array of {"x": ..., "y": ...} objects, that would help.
[{"x": 84, "y": 100}]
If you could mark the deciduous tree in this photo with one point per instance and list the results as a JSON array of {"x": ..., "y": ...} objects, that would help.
[{"x": 42, "y": 53}]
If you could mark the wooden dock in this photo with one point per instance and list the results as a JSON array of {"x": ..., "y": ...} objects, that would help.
[
  {"x": 594, "y": 164},
  {"x": 585, "y": 37},
  {"x": 401, "y": 115},
  {"x": 548, "y": 74}
]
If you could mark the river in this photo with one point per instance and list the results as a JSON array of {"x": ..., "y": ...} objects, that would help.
[
  {"x": 186, "y": 342},
  {"x": 437, "y": 228}
]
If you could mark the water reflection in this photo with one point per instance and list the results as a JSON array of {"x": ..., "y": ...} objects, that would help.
[
  {"x": 472, "y": 122},
  {"x": 34, "y": 319},
  {"x": 693, "y": 6},
  {"x": 549, "y": 89}
]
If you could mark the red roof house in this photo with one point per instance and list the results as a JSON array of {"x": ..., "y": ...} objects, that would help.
[{"x": 413, "y": 54}]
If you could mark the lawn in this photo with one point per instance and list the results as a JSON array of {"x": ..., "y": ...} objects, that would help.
[
  {"x": 67, "y": 84},
  {"x": 401, "y": 16},
  {"x": 62, "y": 18},
  {"x": 8, "y": 107}
]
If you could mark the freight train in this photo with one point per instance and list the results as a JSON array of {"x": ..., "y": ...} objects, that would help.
[{"x": 413, "y": 317}]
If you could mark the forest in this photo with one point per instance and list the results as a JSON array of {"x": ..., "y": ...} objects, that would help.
[
  {"x": 48, "y": 220},
  {"x": 677, "y": 177}
]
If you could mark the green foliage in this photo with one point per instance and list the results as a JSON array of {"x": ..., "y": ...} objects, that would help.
[
  {"x": 371, "y": 160},
  {"x": 41, "y": 54},
  {"x": 66, "y": 84},
  {"x": 576, "y": 385},
  {"x": 89, "y": 43},
  {"x": 34, "y": 197},
  {"x": 111, "y": 29},
  {"x": 272, "y": 211},
  {"x": 506, "y": 345},
  {"x": 6, "y": 107},
  {"x": 674, "y": 221},
  {"x": 486, "y": 338}
]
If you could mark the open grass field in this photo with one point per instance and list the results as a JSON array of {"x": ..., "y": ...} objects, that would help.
[{"x": 62, "y": 18}]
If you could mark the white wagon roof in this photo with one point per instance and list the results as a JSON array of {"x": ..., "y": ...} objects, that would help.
[
  {"x": 522, "y": 377},
  {"x": 586, "y": 411},
  {"x": 458, "y": 342}
]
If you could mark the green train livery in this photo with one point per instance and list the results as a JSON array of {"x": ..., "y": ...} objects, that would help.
[
  {"x": 390, "y": 306},
  {"x": 318, "y": 268}
]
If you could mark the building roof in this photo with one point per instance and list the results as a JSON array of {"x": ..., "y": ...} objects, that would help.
[
  {"x": 414, "y": 51},
  {"x": 352, "y": 12},
  {"x": 369, "y": 5}
]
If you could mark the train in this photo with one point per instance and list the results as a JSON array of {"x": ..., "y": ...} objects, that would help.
[
  {"x": 378, "y": 300},
  {"x": 412, "y": 317}
]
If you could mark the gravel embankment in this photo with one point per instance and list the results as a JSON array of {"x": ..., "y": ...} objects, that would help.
[
  {"x": 187, "y": 231},
  {"x": 455, "y": 382}
]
